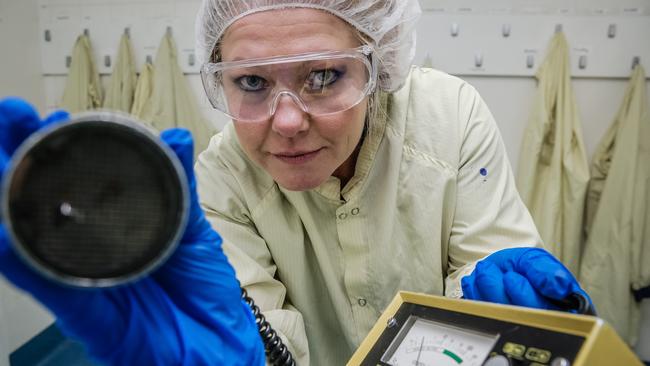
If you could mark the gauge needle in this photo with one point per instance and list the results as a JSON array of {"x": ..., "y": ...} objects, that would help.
[{"x": 417, "y": 362}]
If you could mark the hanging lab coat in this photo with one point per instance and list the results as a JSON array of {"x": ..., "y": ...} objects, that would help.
[
  {"x": 173, "y": 104},
  {"x": 143, "y": 90},
  {"x": 120, "y": 92},
  {"x": 82, "y": 88},
  {"x": 553, "y": 171},
  {"x": 616, "y": 258}
]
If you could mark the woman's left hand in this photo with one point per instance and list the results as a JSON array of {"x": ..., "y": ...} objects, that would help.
[{"x": 529, "y": 277}]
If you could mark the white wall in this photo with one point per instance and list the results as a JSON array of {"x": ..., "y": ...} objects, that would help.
[
  {"x": 21, "y": 40},
  {"x": 20, "y": 75}
]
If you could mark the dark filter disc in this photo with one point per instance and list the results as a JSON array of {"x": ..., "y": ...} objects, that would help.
[{"x": 96, "y": 202}]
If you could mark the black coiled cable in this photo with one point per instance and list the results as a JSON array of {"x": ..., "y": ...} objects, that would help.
[{"x": 276, "y": 351}]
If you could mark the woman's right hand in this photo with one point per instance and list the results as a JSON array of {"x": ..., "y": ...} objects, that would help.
[{"x": 188, "y": 312}]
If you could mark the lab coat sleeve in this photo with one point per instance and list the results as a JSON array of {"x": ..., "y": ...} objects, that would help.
[
  {"x": 173, "y": 103},
  {"x": 83, "y": 89},
  {"x": 601, "y": 163},
  {"x": 247, "y": 252},
  {"x": 142, "y": 98},
  {"x": 489, "y": 214},
  {"x": 123, "y": 81},
  {"x": 246, "y": 249}
]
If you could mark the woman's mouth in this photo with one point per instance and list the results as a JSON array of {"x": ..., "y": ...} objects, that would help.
[{"x": 297, "y": 157}]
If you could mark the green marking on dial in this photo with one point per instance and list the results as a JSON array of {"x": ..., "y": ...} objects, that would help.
[{"x": 453, "y": 355}]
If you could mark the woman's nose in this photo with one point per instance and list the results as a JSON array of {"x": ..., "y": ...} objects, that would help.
[{"x": 289, "y": 118}]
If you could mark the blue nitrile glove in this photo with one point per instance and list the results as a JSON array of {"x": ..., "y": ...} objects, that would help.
[
  {"x": 529, "y": 277},
  {"x": 188, "y": 312}
]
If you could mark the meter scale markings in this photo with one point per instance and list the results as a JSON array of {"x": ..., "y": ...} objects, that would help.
[
  {"x": 425, "y": 355},
  {"x": 425, "y": 343},
  {"x": 437, "y": 349}
]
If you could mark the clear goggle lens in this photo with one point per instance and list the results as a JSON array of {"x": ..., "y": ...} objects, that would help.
[{"x": 319, "y": 83}]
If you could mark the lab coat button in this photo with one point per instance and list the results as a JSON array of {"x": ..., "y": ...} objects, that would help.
[
  {"x": 343, "y": 216},
  {"x": 355, "y": 211},
  {"x": 362, "y": 302}
]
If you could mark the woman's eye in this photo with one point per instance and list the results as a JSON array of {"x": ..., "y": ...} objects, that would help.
[
  {"x": 251, "y": 83},
  {"x": 321, "y": 79}
]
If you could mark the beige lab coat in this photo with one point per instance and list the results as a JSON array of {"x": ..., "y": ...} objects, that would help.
[
  {"x": 617, "y": 252},
  {"x": 172, "y": 103},
  {"x": 432, "y": 194},
  {"x": 553, "y": 171},
  {"x": 83, "y": 89},
  {"x": 143, "y": 90},
  {"x": 123, "y": 81}
]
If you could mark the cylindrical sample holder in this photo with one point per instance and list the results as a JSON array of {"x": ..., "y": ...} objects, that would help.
[{"x": 97, "y": 201}]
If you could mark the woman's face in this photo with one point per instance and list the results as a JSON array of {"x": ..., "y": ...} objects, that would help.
[{"x": 299, "y": 151}]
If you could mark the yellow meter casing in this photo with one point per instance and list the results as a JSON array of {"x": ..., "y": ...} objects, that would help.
[{"x": 421, "y": 330}]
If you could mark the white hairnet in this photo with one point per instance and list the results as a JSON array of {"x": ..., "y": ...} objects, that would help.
[{"x": 389, "y": 23}]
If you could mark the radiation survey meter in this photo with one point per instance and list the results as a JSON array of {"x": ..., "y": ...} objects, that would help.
[{"x": 426, "y": 330}]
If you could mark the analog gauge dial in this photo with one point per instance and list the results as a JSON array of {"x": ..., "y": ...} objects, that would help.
[{"x": 422, "y": 342}]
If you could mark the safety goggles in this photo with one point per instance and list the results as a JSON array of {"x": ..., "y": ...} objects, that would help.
[{"x": 320, "y": 83}]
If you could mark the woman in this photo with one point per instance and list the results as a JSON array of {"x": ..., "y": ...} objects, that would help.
[
  {"x": 333, "y": 187},
  {"x": 344, "y": 177}
]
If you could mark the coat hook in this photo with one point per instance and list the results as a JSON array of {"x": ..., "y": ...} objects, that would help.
[
  {"x": 107, "y": 61},
  {"x": 127, "y": 32},
  {"x": 86, "y": 32},
  {"x": 149, "y": 59},
  {"x": 582, "y": 62},
  {"x": 48, "y": 35},
  {"x": 191, "y": 60},
  {"x": 558, "y": 28},
  {"x": 611, "y": 31},
  {"x": 505, "y": 30},
  {"x": 530, "y": 61},
  {"x": 478, "y": 59},
  {"x": 636, "y": 60},
  {"x": 454, "y": 29},
  {"x": 169, "y": 31},
  {"x": 68, "y": 61}
]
